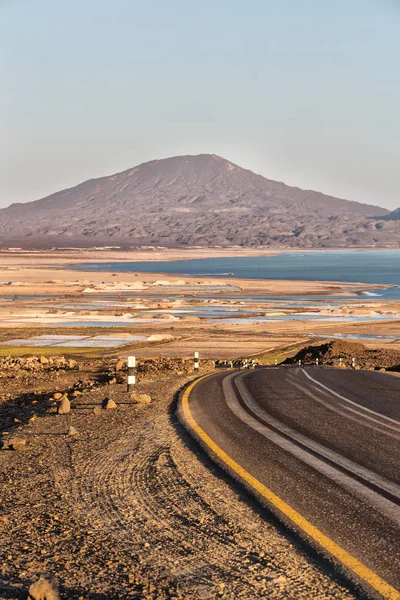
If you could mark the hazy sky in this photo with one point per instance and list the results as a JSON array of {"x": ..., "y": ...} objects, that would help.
[{"x": 303, "y": 91}]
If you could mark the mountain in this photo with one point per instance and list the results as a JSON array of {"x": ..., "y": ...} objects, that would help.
[
  {"x": 194, "y": 201},
  {"x": 393, "y": 216}
]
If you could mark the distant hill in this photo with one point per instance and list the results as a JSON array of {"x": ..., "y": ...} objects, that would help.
[
  {"x": 194, "y": 201},
  {"x": 393, "y": 216}
]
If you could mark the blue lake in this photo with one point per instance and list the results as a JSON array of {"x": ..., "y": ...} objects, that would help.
[{"x": 349, "y": 266}]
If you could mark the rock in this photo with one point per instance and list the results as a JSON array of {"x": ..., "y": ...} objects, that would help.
[
  {"x": 160, "y": 337},
  {"x": 121, "y": 364},
  {"x": 43, "y": 360},
  {"x": 18, "y": 445},
  {"x": 97, "y": 410},
  {"x": 277, "y": 580},
  {"x": 45, "y": 588},
  {"x": 140, "y": 398},
  {"x": 222, "y": 587},
  {"x": 72, "y": 431},
  {"x": 57, "y": 396},
  {"x": 112, "y": 381},
  {"x": 108, "y": 403},
  {"x": 64, "y": 407},
  {"x": 13, "y": 444}
]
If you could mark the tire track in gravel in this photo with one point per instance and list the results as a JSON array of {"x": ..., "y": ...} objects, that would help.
[
  {"x": 133, "y": 490},
  {"x": 149, "y": 499},
  {"x": 129, "y": 508}
]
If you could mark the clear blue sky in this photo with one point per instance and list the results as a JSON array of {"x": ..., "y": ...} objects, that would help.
[{"x": 303, "y": 91}]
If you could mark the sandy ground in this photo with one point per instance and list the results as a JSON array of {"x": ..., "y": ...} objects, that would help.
[
  {"x": 135, "y": 294},
  {"x": 129, "y": 508},
  {"x": 47, "y": 272},
  {"x": 31, "y": 280},
  {"x": 79, "y": 255}
]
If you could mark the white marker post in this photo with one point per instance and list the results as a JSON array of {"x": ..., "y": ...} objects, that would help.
[
  {"x": 299, "y": 363},
  {"x": 196, "y": 361},
  {"x": 316, "y": 361},
  {"x": 131, "y": 372},
  {"x": 353, "y": 362},
  {"x": 340, "y": 362}
]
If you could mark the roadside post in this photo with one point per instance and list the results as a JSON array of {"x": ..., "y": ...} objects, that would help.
[
  {"x": 340, "y": 362},
  {"x": 316, "y": 361},
  {"x": 196, "y": 361},
  {"x": 299, "y": 363},
  {"x": 353, "y": 362},
  {"x": 131, "y": 372}
]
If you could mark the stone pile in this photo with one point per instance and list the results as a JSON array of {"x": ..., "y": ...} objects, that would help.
[
  {"x": 338, "y": 353},
  {"x": 37, "y": 363},
  {"x": 160, "y": 366},
  {"x": 239, "y": 363}
]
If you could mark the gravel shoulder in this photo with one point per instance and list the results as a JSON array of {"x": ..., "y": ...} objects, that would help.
[{"x": 130, "y": 508}]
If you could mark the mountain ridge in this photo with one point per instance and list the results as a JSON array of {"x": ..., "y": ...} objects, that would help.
[{"x": 195, "y": 200}]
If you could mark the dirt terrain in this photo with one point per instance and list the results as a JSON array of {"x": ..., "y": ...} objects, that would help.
[
  {"x": 128, "y": 507},
  {"x": 125, "y": 505},
  {"x": 336, "y": 353}
]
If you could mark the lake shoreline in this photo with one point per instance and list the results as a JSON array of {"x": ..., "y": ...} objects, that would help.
[
  {"x": 363, "y": 268},
  {"x": 228, "y": 316}
]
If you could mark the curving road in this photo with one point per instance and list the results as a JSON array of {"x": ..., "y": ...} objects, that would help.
[{"x": 321, "y": 447}]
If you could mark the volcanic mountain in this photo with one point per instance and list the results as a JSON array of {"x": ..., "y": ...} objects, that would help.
[{"x": 194, "y": 201}]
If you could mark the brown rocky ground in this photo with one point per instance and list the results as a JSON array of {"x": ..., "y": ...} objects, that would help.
[
  {"x": 332, "y": 352},
  {"x": 128, "y": 507}
]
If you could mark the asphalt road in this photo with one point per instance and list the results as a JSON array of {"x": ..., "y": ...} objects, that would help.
[{"x": 326, "y": 444}]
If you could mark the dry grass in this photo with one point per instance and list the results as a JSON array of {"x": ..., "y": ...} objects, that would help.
[
  {"x": 280, "y": 353},
  {"x": 44, "y": 351}
]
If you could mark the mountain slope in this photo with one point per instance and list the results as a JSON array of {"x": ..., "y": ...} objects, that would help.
[
  {"x": 393, "y": 216},
  {"x": 194, "y": 200}
]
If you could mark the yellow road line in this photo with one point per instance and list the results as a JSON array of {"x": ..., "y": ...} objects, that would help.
[{"x": 352, "y": 563}]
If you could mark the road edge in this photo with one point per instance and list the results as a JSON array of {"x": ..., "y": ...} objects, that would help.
[{"x": 281, "y": 509}]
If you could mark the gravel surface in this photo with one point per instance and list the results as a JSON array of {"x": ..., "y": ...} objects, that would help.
[
  {"x": 128, "y": 507},
  {"x": 340, "y": 352}
]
